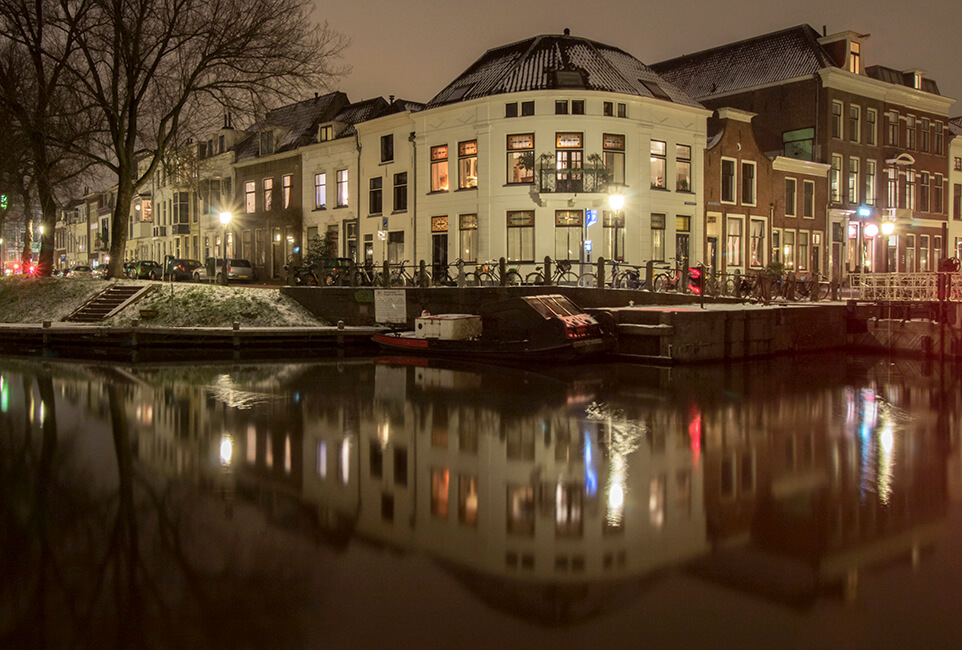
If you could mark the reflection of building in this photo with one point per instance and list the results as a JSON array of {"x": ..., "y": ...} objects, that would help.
[
  {"x": 515, "y": 490},
  {"x": 803, "y": 491}
]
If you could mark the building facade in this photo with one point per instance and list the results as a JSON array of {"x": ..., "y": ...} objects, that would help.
[{"x": 881, "y": 131}]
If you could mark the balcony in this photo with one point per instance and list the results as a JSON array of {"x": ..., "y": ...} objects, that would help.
[
  {"x": 160, "y": 231},
  {"x": 591, "y": 179}
]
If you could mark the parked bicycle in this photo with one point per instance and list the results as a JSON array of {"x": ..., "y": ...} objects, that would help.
[
  {"x": 489, "y": 275},
  {"x": 815, "y": 287},
  {"x": 670, "y": 278},
  {"x": 303, "y": 275},
  {"x": 561, "y": 274}
]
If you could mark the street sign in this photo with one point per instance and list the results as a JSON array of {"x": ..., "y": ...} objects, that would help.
[
  {"x": 587, "y": 245},
  {"x": 383, "y": 223},
  {"x": 381, "y": 235},
  {"x": 591, "y": 217}
]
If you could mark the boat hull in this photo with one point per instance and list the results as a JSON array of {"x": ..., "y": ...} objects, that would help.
[{"x": 493, "y": 350}]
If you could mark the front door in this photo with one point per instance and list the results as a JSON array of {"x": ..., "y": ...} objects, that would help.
[
  {"x": 439, "y": 253},
  {"x": 713, "y": 253}
]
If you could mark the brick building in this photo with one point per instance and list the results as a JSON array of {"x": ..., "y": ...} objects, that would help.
[
  {"x": 882, "y": 131},
  {"x": 761, "y": 211}
]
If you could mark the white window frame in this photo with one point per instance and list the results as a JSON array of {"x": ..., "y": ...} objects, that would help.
[
  {"x": 754, "y": 189},
  {"x": 791, "y": 210},
  {"x": 734, "y": 185},
  {"x": 853, "y": 186},
  {"x": 734, "y": 245}
]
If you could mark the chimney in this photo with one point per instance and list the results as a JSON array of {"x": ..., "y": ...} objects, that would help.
[
  {"x": 824, "y": 30},
  {"x": 567, "y": 32},
  {"x": 390, "y": 99}
]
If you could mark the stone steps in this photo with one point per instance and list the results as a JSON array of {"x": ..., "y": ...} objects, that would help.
[{"x": 108, "y": 302}]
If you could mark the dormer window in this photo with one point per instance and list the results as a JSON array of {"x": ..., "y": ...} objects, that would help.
[
  {"x": 855, "y": 57},
  {"x": 917, "y": 80},
  {"x": 267, "y": 143},
  {"x": 325, "y": 133}
]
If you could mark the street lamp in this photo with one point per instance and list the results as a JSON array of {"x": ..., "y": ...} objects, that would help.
[
  {"x": 888, "y": 227},
  {"x": 225, "y": 218}
]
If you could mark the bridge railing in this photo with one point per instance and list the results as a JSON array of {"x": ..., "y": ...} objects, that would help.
[{"x": 909, "y": 287}]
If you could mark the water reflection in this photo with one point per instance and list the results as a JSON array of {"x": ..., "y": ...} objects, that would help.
[{"x": 553, "y": 496}]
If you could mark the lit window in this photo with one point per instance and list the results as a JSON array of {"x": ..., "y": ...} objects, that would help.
[
  {"x": 658, "y": 163},
  {"x": 342, "y": 194},
  {"x": 250, "y": 195},
  {"x": 855, "y": 58},
  {"x": 268, "y": 194},
  {"x": 439, "y": 168},
  {"x": 521, "y": 158},
  {"x": 683, "y": 168},
  {"x": 468, "y": 164},
  {"x": 287, "y": 187},
  {"x": 320, "y": 191}
]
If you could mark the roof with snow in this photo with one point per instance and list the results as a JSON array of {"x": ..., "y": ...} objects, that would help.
[
  {"x": 898, "y": 78},
  {"x": 767, "y": 59},
  {"x": 771, "y": 58},
  {"x": 551, "y": 62},
  {"x": 297, "y": 122}
]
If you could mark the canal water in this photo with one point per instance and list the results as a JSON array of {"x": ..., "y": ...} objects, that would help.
[{"x": 396, "y": 502}]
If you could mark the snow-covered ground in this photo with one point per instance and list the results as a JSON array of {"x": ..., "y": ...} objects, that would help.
[{"x": 34, "y": 300}]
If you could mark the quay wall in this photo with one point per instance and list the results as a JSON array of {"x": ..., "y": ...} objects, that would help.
[{"x": 651, "y": 327}]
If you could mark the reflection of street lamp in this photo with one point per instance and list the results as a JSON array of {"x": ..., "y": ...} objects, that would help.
[{"x": 225, "y": 218}]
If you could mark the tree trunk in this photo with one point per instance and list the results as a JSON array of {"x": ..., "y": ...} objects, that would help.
[{"x": 119, "y": 224}]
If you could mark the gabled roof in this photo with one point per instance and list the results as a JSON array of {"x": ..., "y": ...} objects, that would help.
[
  {"x": 767, "y": 59},
  {"x": 955, "y": 125},
  {"x": 361, "y": 111},
  {"x": 298, "y": 122},
  {"x": 558, "y": 61}
]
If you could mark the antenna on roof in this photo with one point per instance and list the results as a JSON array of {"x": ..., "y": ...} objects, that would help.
[{"x": 567, "y": 32}]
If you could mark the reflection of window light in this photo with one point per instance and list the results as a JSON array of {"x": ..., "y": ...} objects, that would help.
[
  {"x": 344, "y": 462},
  {"x": 322, "y": 459},
  {"x": 4, "y": 396},
  {"x": 251, "y": 444},
  {"x": 287, "y": 454}
]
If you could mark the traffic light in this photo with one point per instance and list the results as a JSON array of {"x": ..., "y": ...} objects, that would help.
[{"x": 696, "y": 280}]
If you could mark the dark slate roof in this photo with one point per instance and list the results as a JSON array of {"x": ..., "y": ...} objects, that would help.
[
  {"x": 771, "y": 58},
  {"x": 300, "y": 120},
  {"x": 898, "y": 78},
  {"x": 955, "y": 125},
  {"x": 361, "y": 111},
  {"x": 557, "y": 61}
]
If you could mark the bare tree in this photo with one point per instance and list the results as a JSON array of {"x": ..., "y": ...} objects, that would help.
[
  {"x": 42, "y": 111},
  {"x": 148, "y": 67}
]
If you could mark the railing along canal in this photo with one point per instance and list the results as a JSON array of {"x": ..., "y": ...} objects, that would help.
[{"x": 925, "y": 287}]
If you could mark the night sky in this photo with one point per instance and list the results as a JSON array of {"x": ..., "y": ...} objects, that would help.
[{"x": 413, "y": 49}]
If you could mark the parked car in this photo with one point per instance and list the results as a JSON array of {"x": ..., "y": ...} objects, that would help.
[
  {"x": 79, "y": 271},
  {"x": 180, "y": 270},
  {"x": 238, "y": 270},
  {"x": 147, "y": 270},
  {"x": 129, "y": 269}
]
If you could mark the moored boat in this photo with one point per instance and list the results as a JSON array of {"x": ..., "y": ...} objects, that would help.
[{"x": 541, "y": 327}]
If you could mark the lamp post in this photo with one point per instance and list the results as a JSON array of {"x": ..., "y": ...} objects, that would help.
[
  {"x": 888, "y": 228},
  {"x": 616, "y": 201},
  {"x": 225, "y": 218}
]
